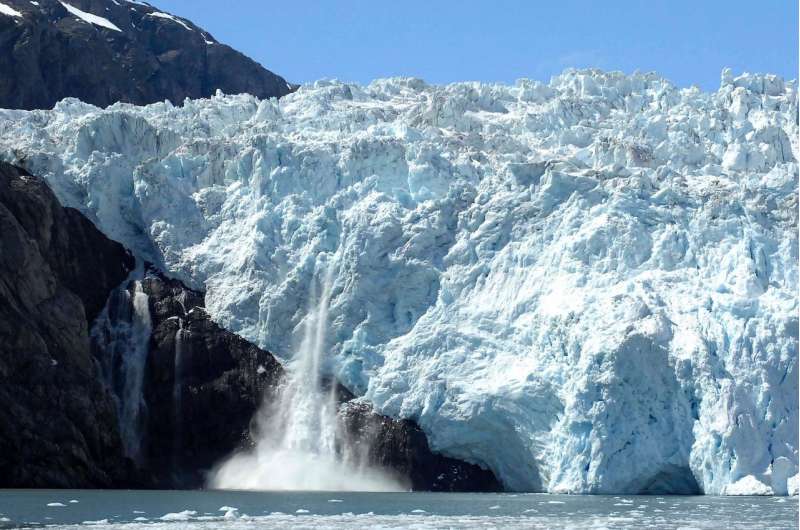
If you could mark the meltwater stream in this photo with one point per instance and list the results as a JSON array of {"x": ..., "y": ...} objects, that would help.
[
  {"x": 122, "y": 335},
  {"x": 177, "y": 393},
  {"x": 298, "y": 444}
]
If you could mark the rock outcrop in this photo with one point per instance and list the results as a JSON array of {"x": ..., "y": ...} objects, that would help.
[
  {"x": 400, "y": 445},
  {"x": 202, "y": 386},
  {"x": 58, "y": 426},
  {"x": 104, "y": 51}
]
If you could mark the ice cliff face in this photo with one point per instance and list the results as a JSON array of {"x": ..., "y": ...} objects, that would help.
[{"x": 587, "y": 286}]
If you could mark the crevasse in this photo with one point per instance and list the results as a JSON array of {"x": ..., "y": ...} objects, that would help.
[{"x": 586, "y": 286}]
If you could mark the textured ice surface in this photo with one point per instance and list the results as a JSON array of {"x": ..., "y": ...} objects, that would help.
[{"x": 587, "y": 286}]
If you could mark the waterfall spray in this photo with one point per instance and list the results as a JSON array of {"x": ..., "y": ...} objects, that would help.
[{"x": 297, "y": 443}]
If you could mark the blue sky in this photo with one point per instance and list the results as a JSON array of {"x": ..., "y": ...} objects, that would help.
[{"x": 441, "y": 41}]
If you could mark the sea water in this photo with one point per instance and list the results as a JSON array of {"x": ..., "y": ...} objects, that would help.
[{"x": 154, "y": 510}]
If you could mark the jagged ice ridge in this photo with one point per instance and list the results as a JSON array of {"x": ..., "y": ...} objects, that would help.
[{"x": 586, "y": 286}]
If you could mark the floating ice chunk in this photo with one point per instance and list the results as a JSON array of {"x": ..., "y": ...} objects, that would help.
[
  {"x": 301, "y": 510},
  {"x": 54, "y": 504},
  {"x": 185, "y": 515},
  {"x": 230, "y": 512},
  {"x": 748, "y": 485}
]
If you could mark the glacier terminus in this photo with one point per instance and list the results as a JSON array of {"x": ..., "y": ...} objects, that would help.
[{"x": 586, "y": 286}]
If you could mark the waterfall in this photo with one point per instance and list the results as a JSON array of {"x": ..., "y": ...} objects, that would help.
[
  {"x": 177, "y": 394},
  {"x": 121, "y": 338},
  {"x": 297, "y": 442}
]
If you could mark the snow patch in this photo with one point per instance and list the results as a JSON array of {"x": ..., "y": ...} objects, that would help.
[
  {"x": 90, "y": 18},
  {"x": 10, "y": 11},
  {"x": 159, "y": 14}
]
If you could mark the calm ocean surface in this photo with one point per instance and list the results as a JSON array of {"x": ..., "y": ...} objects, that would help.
[{"x": 155, "y": 510}]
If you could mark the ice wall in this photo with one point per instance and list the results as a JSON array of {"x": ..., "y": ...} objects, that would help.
[{"x": 587, "y": 286}]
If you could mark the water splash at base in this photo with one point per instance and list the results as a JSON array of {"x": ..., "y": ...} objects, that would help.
[{"x": 299, "y": 446}]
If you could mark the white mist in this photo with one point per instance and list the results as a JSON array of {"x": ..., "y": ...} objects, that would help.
[{"x": 297, "y": 436}]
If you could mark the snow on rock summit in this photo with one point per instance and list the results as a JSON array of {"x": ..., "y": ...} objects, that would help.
[
  {"x": 587, "y": 286},
  {"x": 105, "y": 51}
]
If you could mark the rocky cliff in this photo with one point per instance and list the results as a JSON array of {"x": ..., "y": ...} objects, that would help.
[
  {"x": 202, "y": 385},
  {"x": 400, "y": 445},
  {"x": 58, "y": 426},
  {"x": 104, "y": 51}
]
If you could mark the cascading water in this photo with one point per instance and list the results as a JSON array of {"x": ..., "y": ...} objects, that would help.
[
  {"x": 177, "y": 392},
  {"x": 297, "y": 443},
  {"x": 121, "y": 337}
]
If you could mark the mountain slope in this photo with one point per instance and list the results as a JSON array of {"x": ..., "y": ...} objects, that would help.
[
  {"x": 104, "y": 51},
  {"x": 58, "y": 425},
  {"x": 587, "y": 286}
]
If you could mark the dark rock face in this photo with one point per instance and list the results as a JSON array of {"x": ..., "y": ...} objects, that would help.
[
  {"x": 202, "y": 386},
  {"x": 58, "y": 426},
  {"x": 48, "y": 54},
  {"x": 401, "y": 445}
]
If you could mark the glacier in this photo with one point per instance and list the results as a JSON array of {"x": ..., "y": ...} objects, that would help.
[{"x": 586, "y": 286}]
